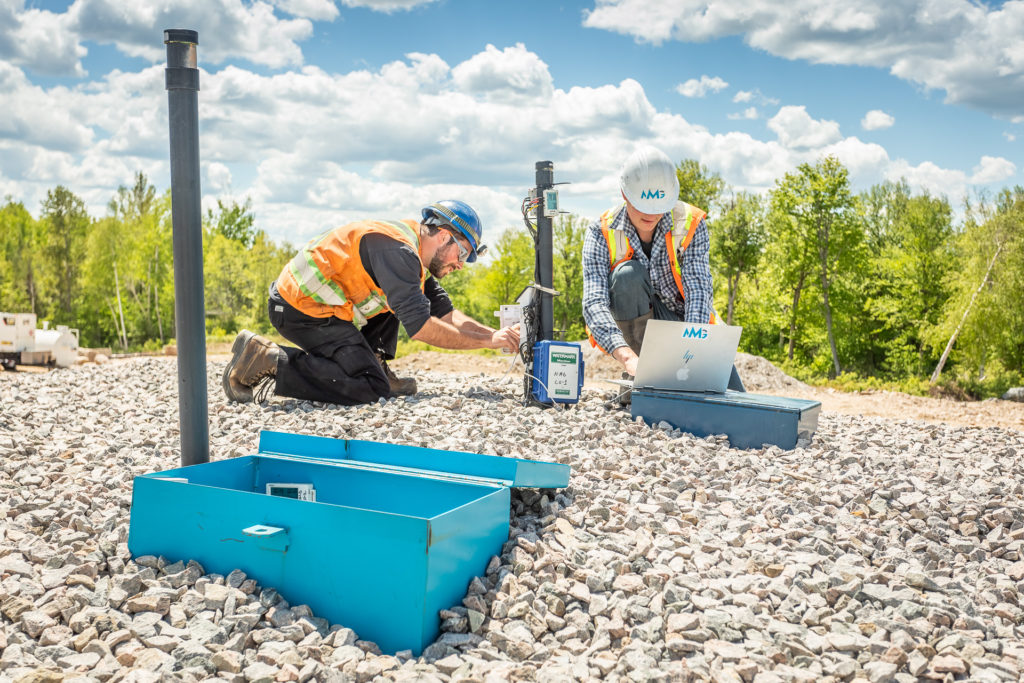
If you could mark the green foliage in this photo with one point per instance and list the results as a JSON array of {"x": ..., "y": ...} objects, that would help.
[
  {"x": 21, "y": 266},
  {"x": 65, "y": 223},
  {"x": 907, "y": 288},
  {"x": 569, "y": 232},
  {"x": 132, "y": 204},
  {"x": 994, "y": 328},
  {"x": 234, "y": 221},
  {"x": 820, "y": 223},
  {"x": 113, "y": 278},
  {"x": 236, "y": 280},
  {"x": 127, "y": 278},
  {"x": 889, "y": 271},
  {"x": 479, "y": 289},
  {"x": 737, "y": 239},
  {"x": 699, "y": 186},
  {"x": 239, "y": 264}
]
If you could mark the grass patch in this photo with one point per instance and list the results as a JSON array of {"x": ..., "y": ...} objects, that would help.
[{"x": 959, "y": 387}]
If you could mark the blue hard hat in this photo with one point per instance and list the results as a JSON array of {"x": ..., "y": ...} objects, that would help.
[{"x": 463, "y": 218}]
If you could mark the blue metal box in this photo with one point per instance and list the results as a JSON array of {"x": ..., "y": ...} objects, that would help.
[
  {"x": 749, "y": 420},
  {"x": 394, "y": 535}
]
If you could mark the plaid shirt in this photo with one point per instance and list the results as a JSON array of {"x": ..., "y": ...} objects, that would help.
[{"x": 696, "y": 275}]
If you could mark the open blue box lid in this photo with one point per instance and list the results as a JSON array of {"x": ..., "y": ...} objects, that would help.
[{"x": 415, "y": 460}]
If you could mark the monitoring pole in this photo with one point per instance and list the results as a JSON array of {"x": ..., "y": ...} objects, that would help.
[
  {"x": 182, "y": 81},
  {"x": 545, "y": 249}
]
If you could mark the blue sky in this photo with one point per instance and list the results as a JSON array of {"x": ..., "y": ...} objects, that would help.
[{"x": 324, "y": 111}]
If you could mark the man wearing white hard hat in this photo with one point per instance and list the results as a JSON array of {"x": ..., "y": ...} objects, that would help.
[{"x": 646, "y": 258}]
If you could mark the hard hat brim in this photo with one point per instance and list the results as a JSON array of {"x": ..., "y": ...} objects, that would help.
[{"x": 650, "y": 206}]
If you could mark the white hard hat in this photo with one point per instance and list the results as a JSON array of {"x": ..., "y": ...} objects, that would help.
[{"x": 649, "y": 181}]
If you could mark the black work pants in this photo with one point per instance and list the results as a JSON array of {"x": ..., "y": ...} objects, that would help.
[{"x": 335, "y": 361}]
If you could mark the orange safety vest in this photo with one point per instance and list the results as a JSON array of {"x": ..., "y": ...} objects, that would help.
[
  {"x": 327, "y": 277},
  {"x": 684, "y": 221}
]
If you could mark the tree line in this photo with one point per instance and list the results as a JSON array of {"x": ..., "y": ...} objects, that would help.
[
  {"x": 877, "y": 286},
  {"x": 112, "y": 278},
  {"x": 868, "y": 287}
]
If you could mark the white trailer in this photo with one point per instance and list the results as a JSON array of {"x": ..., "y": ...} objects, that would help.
[{"x": 21, "y": 342}]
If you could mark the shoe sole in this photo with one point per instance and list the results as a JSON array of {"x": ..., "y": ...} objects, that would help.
[{"x": 236, "y": 348}]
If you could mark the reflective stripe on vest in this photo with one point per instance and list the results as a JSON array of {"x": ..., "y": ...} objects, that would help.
[
  {"x": 683, "y": 222},
  {"x": 311, "y": 281},
  {"x": 311, "y": 284}
]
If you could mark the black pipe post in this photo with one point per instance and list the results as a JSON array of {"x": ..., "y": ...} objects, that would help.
[
  {"x": 182, "y": 81},
  {"x": 545, "y": 249}
]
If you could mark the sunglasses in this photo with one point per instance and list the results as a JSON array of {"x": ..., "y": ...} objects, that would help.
[{"x": 463, "y": 252}]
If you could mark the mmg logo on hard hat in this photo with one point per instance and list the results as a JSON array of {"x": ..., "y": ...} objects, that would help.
[
  {"x": 652, "y": 194},
  {"x": 695, "y": 332}
]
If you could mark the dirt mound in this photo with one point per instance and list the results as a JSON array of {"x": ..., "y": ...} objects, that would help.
[{"x": 758, "y": 374}]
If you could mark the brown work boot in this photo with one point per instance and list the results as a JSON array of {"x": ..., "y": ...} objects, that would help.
[
  {"x": 253, "y": 358},
  {"x": 400, "y": 386}
]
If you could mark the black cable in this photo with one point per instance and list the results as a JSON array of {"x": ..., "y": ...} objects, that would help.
[{"x": 525, "y": 208}]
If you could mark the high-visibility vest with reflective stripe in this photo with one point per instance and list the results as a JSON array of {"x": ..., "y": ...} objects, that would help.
[
  {"x": 327, "y": 277},
  {"x": 684, "y": 221}
]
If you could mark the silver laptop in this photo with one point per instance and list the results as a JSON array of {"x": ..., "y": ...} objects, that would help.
[{"x": 680, "y": 356}]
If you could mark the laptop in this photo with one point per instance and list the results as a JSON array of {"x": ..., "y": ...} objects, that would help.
[{"x": 678, "y": 356}]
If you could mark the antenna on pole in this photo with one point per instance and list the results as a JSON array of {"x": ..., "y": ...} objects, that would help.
[{"x": 182, "y": 81}]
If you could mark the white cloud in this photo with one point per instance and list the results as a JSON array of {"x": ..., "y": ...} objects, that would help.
[
  {"x": 514, "y": 72},
  {"x": 386, "y": 5},
  {"x": 952, "y": 183},
  {"x": 700, "y": 87},
  {"x": 33, "y": 115},
  {"x": 52, "y": 43},
  {"x": 866, "y": 161},
  {"x": 744, "y": 96},
  {"x": 970, "y": 50},
  {"x": 42, "y": 41},
  {"x": 928, "y": 176},
  {"x": 314, "y": 149},
  {"x": 1010, "y": 137},
  {"x": 796, "y": 129},
  {"x": 337, "y": 195},
  {"x": 748, "y": 114},
  {"x": 229, "y": 28},
  {"x": 876, "y": 119},
  {"x": 992, "y": 170},
  {"x": 317, "y": 10},
  {"x": 218, "y": 177}
]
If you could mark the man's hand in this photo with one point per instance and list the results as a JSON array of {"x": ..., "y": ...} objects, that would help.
[
  {"x": 461, "y": 332},
  {"x": 625, "y": 355},
  {"x": 506, "y": 338}
]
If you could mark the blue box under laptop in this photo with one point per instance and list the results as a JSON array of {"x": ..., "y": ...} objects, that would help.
[
  {"x": 395, "y": 533},
  {"x": 749, "y": 420}
]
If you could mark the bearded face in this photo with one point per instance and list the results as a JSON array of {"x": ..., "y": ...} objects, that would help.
[{"x": 437, "y": 266}]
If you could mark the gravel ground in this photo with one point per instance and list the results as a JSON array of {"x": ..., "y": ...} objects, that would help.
[{"x": 882, "y": 550}]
